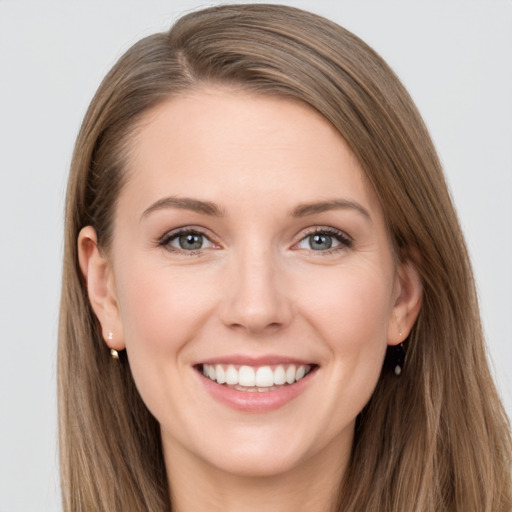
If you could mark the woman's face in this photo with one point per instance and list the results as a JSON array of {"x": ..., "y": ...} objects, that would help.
[{"x": 248, "y": 246}]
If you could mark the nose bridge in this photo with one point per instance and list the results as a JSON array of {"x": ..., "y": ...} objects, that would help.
[{"x": 256, "y": 299}]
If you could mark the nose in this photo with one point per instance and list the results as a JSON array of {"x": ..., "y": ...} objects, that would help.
[{"x": 255, "y": 297}]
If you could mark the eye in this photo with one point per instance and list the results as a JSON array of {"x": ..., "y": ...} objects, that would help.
[
  {"x": 186, "y": 240},
  {"x": 325, "y": 240}
]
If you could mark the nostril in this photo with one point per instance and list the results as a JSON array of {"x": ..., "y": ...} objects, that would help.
[{"x": 254, "y": 327}]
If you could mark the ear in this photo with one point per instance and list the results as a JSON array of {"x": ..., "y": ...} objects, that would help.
[
  {"x": 99, "y": 280},
  {"x": 408, "y": 299}
]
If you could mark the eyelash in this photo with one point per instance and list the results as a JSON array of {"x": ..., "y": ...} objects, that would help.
[{"x": 345, "y": 242}]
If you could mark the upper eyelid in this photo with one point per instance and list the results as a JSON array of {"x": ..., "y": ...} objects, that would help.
[
  {"x": 186, "y": 229},
  {"x": 325, "y": 229}
]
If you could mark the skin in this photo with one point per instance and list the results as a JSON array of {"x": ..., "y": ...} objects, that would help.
[{"x": 256, "y": 287}]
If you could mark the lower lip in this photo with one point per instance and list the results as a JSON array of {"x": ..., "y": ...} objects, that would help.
[{"x": 256, "y": 401}]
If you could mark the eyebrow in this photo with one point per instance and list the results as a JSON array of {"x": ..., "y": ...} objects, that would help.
[
  {"x": 211, "y": 209},
  {"x": 185, "y": 203},
  {"x": 305, "y": 209}
]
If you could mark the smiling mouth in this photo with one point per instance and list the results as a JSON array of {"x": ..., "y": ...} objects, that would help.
[{"x": 256, "y": 378}]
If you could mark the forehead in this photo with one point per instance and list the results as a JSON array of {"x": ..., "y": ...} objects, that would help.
[{"x": 215, "y": 141}]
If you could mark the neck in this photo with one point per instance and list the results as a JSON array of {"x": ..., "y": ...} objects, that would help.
[{"x": 311, "y": 486}]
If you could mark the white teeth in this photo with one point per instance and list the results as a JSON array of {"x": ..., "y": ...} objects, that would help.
[
  {"x": 279, "y": 376},
  {"x": 231, "y": 375},
  {"x": 290, "y": 374},
  {"x": 257, "y": 379},
  {"x": 220, "y": 374},
  {"x": 264, "y": 377},
  {"x": 246, "y": 377},
  {"x": 301, "y": 371}
]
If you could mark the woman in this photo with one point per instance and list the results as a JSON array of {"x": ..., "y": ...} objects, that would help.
[{"x": 257, "y": 229}]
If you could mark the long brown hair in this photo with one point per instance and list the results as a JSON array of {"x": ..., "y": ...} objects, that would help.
[{"x": 437, "y": 438}]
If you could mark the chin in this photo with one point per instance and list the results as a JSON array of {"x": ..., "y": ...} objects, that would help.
[
  {"x": 256, "y": 463},
  {"x": 270, "y": 449}
]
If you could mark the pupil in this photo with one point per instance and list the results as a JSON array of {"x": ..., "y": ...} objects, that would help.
[
  {"x": 320, "y": 242},
  {"x": 191, "y": 241}
]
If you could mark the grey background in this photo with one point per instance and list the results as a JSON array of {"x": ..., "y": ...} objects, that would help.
[{"x": 455, "y": 57}]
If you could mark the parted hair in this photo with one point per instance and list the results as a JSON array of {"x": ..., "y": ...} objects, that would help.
[{"x": 436, "y": 438}]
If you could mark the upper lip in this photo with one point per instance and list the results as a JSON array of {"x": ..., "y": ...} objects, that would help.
[{"x": 248, "y": 360}]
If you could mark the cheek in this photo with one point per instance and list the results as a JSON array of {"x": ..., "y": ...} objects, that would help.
[
  {"x": 352, "y": 312},
  {"x": 351, "y": 317},
  {"x": 161, "y": 308}
]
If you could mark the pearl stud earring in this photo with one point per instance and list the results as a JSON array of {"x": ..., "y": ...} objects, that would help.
[
  {"x": 399, "y": 356},
  {"x": 113, "y": 352}
]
